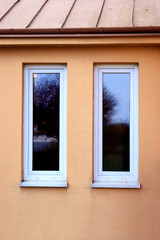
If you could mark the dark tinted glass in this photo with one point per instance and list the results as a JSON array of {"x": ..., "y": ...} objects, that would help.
[
  {"x": 46, "y": 122},
  {"x": 116, "y": 121}
]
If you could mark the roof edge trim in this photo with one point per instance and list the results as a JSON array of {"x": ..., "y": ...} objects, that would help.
[{"x": 74, "y": 31}]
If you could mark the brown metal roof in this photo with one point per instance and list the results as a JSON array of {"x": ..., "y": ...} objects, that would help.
[
  {"x": 53, "y": 14},
  {"x": 85, "y": 13},
  {"x": 147, "y": 13},
  {"x": 21, "y": 14},
  {"x": 75, "y": 14},
  {"x": 5, "y": 6},
  {"x": 117, "y": 13}
]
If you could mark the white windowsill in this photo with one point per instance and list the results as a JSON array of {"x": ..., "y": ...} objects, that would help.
[
  {"x": 43, "y": 184},
  {"x": 115, "y": 185}
]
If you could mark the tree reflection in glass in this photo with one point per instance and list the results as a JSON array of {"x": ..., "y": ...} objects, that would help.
[
  {"x": 116, "y": 121},
  {"x": 46, "y": 121}
]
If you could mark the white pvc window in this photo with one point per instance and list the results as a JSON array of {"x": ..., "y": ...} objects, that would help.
[
  {"x": 45, "y": 124},
  {"x": 116, "y": 126}
]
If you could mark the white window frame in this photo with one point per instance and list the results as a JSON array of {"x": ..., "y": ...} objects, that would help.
[
  {"x": 115, "y": 179},
  {"x": 43, "y": 178}
]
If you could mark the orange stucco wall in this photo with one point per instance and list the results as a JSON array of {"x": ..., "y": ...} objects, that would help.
[{"x": 79, "y": 212}]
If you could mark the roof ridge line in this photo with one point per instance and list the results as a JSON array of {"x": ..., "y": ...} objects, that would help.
[
  {"x": 28, "y": 25},
  {"x": 9, "y": 9},
  {"x": 68, "y": 14}
]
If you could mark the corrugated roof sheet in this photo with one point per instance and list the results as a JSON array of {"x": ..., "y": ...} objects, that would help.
[{"x": 37, "y": 14}]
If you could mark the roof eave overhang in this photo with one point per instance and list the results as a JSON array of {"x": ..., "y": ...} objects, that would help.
[{"x": 82, "y": 32}]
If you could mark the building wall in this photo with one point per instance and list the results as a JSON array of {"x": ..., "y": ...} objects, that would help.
[{"x": 79, "y": 212}]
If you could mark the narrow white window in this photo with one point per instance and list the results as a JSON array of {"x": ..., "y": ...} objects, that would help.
[
  {"x": 116, "y": 126},
  {"x": 44, "y": 128}
]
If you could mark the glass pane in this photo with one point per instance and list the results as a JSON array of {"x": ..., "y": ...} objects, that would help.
[
  {"x": 46, "y": 121},
  {"x": 116, "y": 121}
]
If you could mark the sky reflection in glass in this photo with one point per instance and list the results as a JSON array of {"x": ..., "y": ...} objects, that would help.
[{"x": 116, "y": 118}]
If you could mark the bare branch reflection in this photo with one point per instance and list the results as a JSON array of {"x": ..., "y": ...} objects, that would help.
[
  {"x": 115, "y": 123},
  {"x": 46, "y": 103},
  {"x": 110, "y": 103},
  {"x": 46, "y": 122}
]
